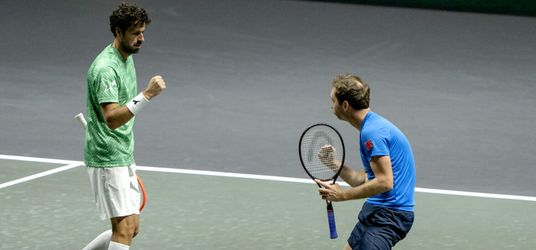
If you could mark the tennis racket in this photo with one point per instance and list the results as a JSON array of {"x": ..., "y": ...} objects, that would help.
[
  {"x": 80, "y": 118},
  {"x": 321, "y": 151}
]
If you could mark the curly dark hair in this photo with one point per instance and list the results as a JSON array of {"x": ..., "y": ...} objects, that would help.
[{"x": 126, "y": 16}]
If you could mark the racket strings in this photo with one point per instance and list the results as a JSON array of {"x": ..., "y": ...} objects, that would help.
[{"x": 311, "y": 146}]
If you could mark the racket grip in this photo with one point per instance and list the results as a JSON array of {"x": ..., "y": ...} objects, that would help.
[
  {"x": 80, "y": 118},
  {"x": 331, "y": 221}
]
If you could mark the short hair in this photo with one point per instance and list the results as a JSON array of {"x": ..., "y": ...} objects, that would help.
[
  {"x": 126, "y": 16},
  {"x": 352, "y": 89}
]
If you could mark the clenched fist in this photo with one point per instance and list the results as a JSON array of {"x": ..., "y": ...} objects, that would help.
[
  {"x": 327, "y": 157},
  {"x": 154, "y": 87}
]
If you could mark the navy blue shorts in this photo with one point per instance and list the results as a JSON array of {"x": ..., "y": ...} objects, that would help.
[{"x": 380, "y": 228}]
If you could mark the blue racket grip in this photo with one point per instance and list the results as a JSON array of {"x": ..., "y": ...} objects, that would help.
[{"x": 331, "y": 221}]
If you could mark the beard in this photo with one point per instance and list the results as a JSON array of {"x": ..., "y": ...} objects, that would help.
[{"x": 129, "y": 48}]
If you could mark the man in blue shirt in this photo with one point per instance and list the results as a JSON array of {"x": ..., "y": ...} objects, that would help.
[{"x": 388, "y": 179}]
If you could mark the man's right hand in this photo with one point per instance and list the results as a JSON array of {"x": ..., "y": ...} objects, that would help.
[
  {"x": 326, "y": 156},
  {"x": 154, "y": 87}
]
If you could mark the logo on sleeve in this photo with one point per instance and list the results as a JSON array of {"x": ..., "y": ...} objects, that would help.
[
  {"x": 369, "y": 145},
  {"x": 110, "y": 85}
]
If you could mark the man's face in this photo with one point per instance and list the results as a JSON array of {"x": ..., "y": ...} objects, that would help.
[
  {"x": 335, "y": 107},
  {"x": 132, "y": 38}
]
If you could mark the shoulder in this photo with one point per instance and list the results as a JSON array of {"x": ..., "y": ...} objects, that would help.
[
  {"x": 375, "y": 123},
  {"x": 107, "y": 58},
  {"x": 101, "y": 70},
  {"x": 103, "y": 65},
  {"x": 376, "y": 129}
]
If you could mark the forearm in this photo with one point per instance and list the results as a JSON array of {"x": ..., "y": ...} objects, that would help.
[
  {"x": 353, "y": 177},
  {"x": 367, "y": 189},
  {"x": 116, "y": 115},
  {"x": 361, "y": 186}
]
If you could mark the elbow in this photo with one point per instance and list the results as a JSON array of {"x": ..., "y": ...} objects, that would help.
[
  {"x": 111, "y": 124},
  {"x": 389, "y": 186},
  {"x": 386, "y": 184},
  {"x": 113, "y": 117}
]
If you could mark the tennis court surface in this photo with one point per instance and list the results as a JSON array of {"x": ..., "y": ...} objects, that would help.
[{"x": 46, "y": 204}]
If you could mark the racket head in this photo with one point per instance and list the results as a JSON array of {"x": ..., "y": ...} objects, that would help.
[{"x": 311, "y": 144}]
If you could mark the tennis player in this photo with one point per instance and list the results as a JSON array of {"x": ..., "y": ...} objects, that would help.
[
  {"x": 388, "y": 179},
  {"x": 112, "y": 103}
]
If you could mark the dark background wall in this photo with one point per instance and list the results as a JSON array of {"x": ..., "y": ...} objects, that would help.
[{"x": 518, "y": 7}]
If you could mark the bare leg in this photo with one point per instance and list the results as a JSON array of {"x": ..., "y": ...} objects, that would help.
[{"x": 124, "y": 229}]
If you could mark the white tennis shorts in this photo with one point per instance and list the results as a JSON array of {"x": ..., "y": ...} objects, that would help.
[{"x": 116, "y": 191}]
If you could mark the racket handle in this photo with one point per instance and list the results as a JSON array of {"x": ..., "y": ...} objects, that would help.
[
  {"x": 331, "y": 221},
  {"x": 80, "y": 118}
]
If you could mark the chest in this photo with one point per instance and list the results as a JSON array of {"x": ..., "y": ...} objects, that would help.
[{"x": 126, "y": 82}]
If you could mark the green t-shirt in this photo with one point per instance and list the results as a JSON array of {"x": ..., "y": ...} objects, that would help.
[{"x": 110, "y": 79}]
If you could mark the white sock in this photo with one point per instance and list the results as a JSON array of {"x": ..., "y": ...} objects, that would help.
[
  {"x": 117, "y": 246},
  {"x": 101, "y": 242}
]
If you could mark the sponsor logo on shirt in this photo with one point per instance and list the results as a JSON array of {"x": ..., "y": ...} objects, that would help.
[
  {"x": 110, "y": 85},
  {"x": 369, "y": 145}
]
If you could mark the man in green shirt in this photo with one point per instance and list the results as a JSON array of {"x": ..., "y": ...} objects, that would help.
[{"x": 112, "y": 103}]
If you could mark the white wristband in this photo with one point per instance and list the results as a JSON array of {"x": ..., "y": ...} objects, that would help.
[{"x": 137, "y": 103}]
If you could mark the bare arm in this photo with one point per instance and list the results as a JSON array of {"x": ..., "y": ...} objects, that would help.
[
  {"x": 116, "y": 115},
  {"x": 383, "y": 182},
  {"x": 352, "y": 177}
]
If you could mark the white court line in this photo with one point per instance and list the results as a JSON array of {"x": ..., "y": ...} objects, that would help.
[
  {"x": 300, "y": 180},
  {"x": 35, "y": 159},
  {"x": 224, "y": 174},
  {"x": 476, "y": 194},
  {"x": 39, "y": 175},
  {"x": 73, "y": 164}
]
